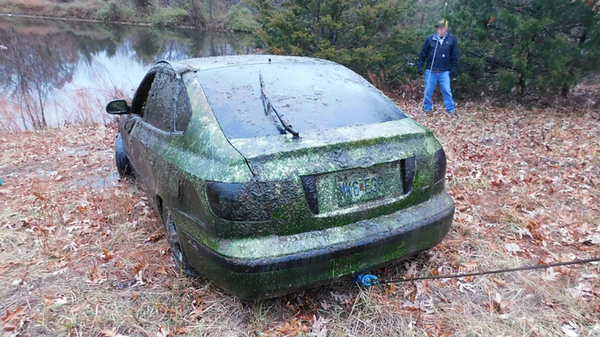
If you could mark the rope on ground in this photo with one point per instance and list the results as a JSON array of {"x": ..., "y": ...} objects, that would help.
[{"x": 372, "y": 280}]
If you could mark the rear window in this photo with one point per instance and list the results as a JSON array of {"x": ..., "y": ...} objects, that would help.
[{"x": 312, "y": 97}]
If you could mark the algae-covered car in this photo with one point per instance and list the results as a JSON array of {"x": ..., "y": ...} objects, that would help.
[{"x": 273, "y": 174}]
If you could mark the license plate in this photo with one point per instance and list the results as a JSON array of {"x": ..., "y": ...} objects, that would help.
[{"x": 342, "y": 189}]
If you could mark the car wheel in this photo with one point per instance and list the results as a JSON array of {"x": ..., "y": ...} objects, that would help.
[
  {"x": 123, "y": 166},
  {"x": 181, "y": 261}
]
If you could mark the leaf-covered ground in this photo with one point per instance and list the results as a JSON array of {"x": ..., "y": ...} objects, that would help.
[{"x": 83, "y": 254}]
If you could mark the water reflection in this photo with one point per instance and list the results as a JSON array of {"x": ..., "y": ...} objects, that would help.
[{"x": 56, "y": 72}]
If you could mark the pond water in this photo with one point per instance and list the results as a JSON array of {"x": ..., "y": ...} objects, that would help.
[{"x": 55, "y": 72}]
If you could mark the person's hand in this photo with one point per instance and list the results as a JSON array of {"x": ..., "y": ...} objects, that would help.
[
  {"x": 453, "y": 73},
  {"x": 420, "y": 71}
]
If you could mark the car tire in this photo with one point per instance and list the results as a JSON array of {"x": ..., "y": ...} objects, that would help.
[
  {"x": 123, "y": 166},
  {"x": 181, "y": 262}
]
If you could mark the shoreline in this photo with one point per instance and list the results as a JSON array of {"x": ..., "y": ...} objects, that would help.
[{"x": 124, "y": 23}]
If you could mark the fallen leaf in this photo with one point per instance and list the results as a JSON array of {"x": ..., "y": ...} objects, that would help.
[
  {"x": 162, "y": 332},
  {"x": 182, "y": 330},
  {"x": 570, "y": 329},
  {"x": 61, "y": 301},
  {"x": 319, "y": 327},
  {"x": 197, "y": 312},
  {"x": 106, "y": 255},
  {"x": 112, "y": 333},
  {"x": 512, "y": 247},
  {"x": 499, "y": 305},
  {"x": 16, "y": 315}
]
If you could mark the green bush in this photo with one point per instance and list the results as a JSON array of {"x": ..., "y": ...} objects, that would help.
[
  {"x": 369, "y": 36},
  {"x": 82, "y": 10},
  {"x": 241, "y": 19},
  {"x": 169, "y": 17},
  {"x": 529, "y": 48},
  {"x": 146, "y": 6},
  {"x": 110, "y": 11},
  {"x": 196, "y": 16}
]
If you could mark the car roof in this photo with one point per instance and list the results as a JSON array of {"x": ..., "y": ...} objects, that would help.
[{"x": 205, "y": 63}]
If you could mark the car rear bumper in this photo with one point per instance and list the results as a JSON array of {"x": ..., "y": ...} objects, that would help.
[{"x": 269, "y": 266}]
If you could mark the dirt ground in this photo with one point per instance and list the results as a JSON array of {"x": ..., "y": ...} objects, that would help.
[{"x": 83, "y": 254}]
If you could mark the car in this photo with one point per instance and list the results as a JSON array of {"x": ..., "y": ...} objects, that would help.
[{"x": 274, "y": 174}]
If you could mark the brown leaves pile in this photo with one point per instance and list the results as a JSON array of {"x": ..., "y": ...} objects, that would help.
[
  {"x": 526, "y": 186},
  {"x": 535, "y": 180}
]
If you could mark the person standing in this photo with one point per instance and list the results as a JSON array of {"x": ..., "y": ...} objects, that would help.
[{"x": 441, "y": 53}]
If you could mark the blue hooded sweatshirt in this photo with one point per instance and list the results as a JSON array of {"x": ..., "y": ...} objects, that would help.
[{"x": 446, "y": 55}]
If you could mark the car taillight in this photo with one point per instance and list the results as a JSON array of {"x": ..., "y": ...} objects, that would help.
[
  {"x": 440, "y": 165},
  {"x": 238, "y": 202}
]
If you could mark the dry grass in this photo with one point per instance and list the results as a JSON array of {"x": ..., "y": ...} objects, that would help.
[
  {"x": 86, "y": 106},
  {"x": 83, "y": 254},
  {"x": 83, "y": 9},
  {"x": 9, "y": 122},
  {"x": 83, "y": 106}
]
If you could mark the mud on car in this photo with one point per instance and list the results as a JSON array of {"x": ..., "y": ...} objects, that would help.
[{"x": 273, "y": 174}]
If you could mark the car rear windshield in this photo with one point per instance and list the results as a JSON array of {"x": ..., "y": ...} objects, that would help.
[{"x": 313, "y": 97}]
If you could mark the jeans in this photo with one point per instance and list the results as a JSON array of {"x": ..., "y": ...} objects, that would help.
[{"x": 431, "y": 81}]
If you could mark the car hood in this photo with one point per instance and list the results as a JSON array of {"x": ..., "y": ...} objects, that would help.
[{"x": 281, "y": 157}]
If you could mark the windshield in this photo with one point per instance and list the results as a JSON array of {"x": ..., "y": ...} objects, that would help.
[{"x": 313, "y": 97}]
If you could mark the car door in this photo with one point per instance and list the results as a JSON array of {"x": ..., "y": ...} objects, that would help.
[
  {"x": 169, "y": 177},
  {"x": 153, "y": 133},
  {"x": 127, "y": 123}
]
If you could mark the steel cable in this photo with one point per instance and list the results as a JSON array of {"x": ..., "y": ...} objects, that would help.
[{"x": 498, "y": 271}]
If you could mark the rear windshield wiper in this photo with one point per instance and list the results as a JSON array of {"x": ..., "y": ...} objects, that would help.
[{"x": 269, "y": 107}]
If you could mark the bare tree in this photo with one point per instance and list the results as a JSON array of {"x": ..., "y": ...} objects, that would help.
[{"x": 34, "y": 66}]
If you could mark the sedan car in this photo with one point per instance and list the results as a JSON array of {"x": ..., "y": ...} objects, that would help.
[{"x": 273, "y": 174}]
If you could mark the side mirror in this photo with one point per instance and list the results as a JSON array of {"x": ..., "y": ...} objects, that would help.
[{"x": 118, "y": 107}]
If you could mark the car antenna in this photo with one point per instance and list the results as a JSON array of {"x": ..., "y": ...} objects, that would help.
[{"x": 268, "y": 107}]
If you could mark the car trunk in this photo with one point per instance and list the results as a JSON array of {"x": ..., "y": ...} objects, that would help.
[{"x": 343, "y": 169}]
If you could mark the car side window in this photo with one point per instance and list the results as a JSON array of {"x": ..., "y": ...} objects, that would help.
[
  {"x": 138, "y": 103},
  {"x": 159, "y": 110},
  {"x": 183, "y": 113}
]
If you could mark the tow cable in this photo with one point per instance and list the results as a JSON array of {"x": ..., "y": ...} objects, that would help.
[{"x": 370, "y": 280}]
